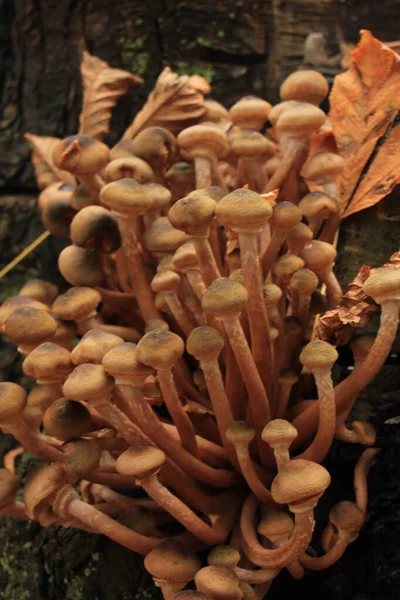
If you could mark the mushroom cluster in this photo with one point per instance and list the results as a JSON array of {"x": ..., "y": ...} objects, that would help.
[{"x": 182, "y": 366}]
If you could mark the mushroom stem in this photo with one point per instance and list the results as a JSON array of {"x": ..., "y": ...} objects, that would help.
[
  {"x": 272, "y": 251},
  {"x": 16, "y": 510},
  {"x": 250, "y": 474},
  {"x": 328, "y": 559},
  {"x": 364, "y": 464},
  {"x": 292, "y": 153},
  {"x": 203, "y": 171},
  {"x": 34, "y": 442},
  {"x": 208, "y": 266}
]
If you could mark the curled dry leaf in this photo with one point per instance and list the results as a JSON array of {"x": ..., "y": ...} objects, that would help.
[
  {"x": 102, "y": 86},
  {"x": 175, "y": 103},
  {"x": 365, "y": 104},
  {"x": 46, "y": 172}
]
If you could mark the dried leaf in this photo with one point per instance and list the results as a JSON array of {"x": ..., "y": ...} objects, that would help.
[
  {"x": 175, "y": 102},
  {"x": 46, "y": 172},
  {"x": 365, "y": 103},
  {"x": 102, "y": 86}
]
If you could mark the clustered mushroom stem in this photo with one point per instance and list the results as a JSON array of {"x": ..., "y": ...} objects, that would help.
[
  {"x": 250, "y": 474},
  {"x": 203, "y": 170},
  {"x": 15, "y": 510},
  {"x": 282, "y": 172},
  {"x": 208, "y": 266},
  {"x": 34, "y": 442},
  {"x": 185, "y": 322},
  {"x": 272, "y": 250},
  {"x": 364, "y": 464},
  {"x": 93, "y": 183},
  {"x": 333, "y": 287}
]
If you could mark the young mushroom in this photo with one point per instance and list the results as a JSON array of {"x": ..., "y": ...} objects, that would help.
[
  {"x": 80, "y": 266},
  {"x": 40, "y": 290},
  {"x": 279, "y": 434},
  {"x": 67, "y": 419},
  {"x": 250, "y": 113},
  {"x": 320, "y": 257},
  {"x": 28, "y": 327},
  {"x": 304, "y": 86},
  {"x": 220, "y": 583}
]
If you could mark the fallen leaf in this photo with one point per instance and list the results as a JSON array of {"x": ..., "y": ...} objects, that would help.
[
  {"x": 102, "y": 86},
  {"x": 175, "y": 103},
  {"x": 46, "y": 172}
]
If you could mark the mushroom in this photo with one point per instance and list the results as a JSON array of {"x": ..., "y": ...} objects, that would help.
[
  {"x": 49, "y": 364},
  {"x": 250, "y": 113},
  {"x": 28, "y": 327},
  {"x": 157, "y": 146},
  {"x": 285, "y": 216},
  {"x": 57, "y": 212},
  {"x": 9, "y": 506},
  {"x": 302, "y": 284},
  {"x": 40, "y": 290},
  {"x": 166, "y": 283},
  {"x": 253, "y": 149},
  {"x": 220, "y": 583},
  {"x": 279, "y": 434},
  {"x": 67, "y": 419},
  {"x": 181, "y": 180},
  {"x": 130, "y": 167},
  {"x": 93, "y": 346},
  {"x": 320, "y": 257},
  {"x": 94, "y": 227},
  {"x": 80, "y": 266},
  {"x": 229, "y": 557},
  {"x": 304, "y": 86},
  {"x": 298, "y": 237},
  {"x": 318, "y": 207}
]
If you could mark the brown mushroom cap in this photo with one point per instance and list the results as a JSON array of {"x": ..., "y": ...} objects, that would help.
[
  {"x": 250, "y": 112},
  {"x": 13, "y": 400},
  {"x": 285, "y": 215},
  {"x": 301, "y": 120},
  {"x": 140, "y": 460},
  {"x": 122, "y": 361},
  {"x": 165, "y": 282},
  {"x": 81, "y": 198},
  {"x": 300, "y": 481},
  {"x": 96, "y": 228},
  {"x": 48, "y": 362},
  {"x": 272, "y": 293},
  {"x": 9, "y": 486},
  {"x": 122, "y": 149},
  {"x": 160, "y": 349},
  {"x": 304, "y": 281},
  {"x": 131, "y": 167},
  {"x": 40, "y": 290},
  {"x": 275, "y": 523},
  {"x": 57, "y": 214},
  {"x": 16, "y": 302},
  {"x": 162, "y": 237},
  {"x": 243, "y": 209},
  {"x": 280, "y": 108},
  {"x": 205, "y": 343},
  {"x": 94, "y": 346},
  {"x": 304, "y": 86},
  {"x": 67, "y": 419},
  {"x": 155, "y": 145},
  {"x": 224, "y": 298},
  {"x": 317, "y": 204},
  {"x": 237, "y": 275},
  {"x": 318, "y": 356},
  {"x": 323, "y": 167},
  {"x": 80, "y": 266},
  {"x": 279, "y": 433},
  {"x": 193, "y": 214},
  {"x": 346, "y": 516},
  {"x": 286, "y": 265},
  {"x": 40, "y": 397},
  {"x": 30, "y": 326},
  {"x": 77, "y": 303},
  {"x": 383, "y": 284},
  {"x": 172, "y": 562},
  {"x": 89, "y": 383},
  {"x": 240, "y": 432},
  {"x": 156, "y": 324},
  {"x": 203, "y": 140},
  {"x": 181, "y": 173},
  {"x": 252, "y": 144},
  {"x": 185, "y": 258},
  {"x": 318, "y": 255},
  {"x": 299, "y": 233},
  {"x": 224, "y": 556},
  {"x": 159, "y": 195},
  {"x": 220, "y": 583},
  {"x": 126, "y": 196},
  {"x": 41, "y": 488},
  {"x": 215, "y": 111},
  {"x": 80, "y": 154},
  {"x": 81, "y": 457}
]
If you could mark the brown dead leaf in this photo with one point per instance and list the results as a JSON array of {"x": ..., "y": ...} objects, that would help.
[
  {"x": 175, "y": 102},
  {"x": 102, "y": 86},
  {"x": 365, "y": 102},
  {"x": 46, "y": 172}
]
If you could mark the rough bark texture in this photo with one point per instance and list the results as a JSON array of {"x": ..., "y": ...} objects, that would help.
[{"x": 244, "y": 46}]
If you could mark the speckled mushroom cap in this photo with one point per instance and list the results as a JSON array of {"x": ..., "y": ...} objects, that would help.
[
  {"x": 9, "y": 485},
  {"x": 224, "y": 556},
  {"x": 172, "y": 562},
  {"x": 252, "y": 144},
  {"x": 304, "y": 281},
  {"x": 280, "y": 108},
  {"x": 243, "y": 209},
  {"x": 203, "y": 140},
  {"x": 279, "y": 433},
  {"x": 250, "y": 112},
  {"x": 317, "y": 204},
  {"x": 29, "y": 326},
  {"x": 323, "y": 167},
  {"x": 205, "y": 343},
  {"x": 240, "y": 432},
  {"x": 185, "y": 258},
  {"x": 41, "y": 488},
  {"x": 300, "y": 483},
  {"x": 16, "y": 302},
  {"x": 301, "y": 120},
  {"x": 318, "y": 356},
  {"x": 67, "y": 419},
  {"x": 77, "y": 304},
  {"x": 237, "y": 275},
  {"x": 81, "y": 457},
  {"x": 220, "y": 583},
  {"x": 80, "y": 266},
  {"x": 286, "y": 265},
  {"x": 155, "y": 145},
  {"x": 88, "y": 383},
  {"x": 162, "y": 237},
  {"x": 123, "y": 364},
  {"x": 159, "y": 195},
  {"x": 224, "y": 298},
  {"x": 165, "y": 282},
  {"x": 318, "y": 255},
  {"x": 156, "y": 324},
  {"x": 193, "y": 214},
  {"x": 275, "y": 523},
  {"x": 80, "y": 154},
  {"x": 48, "y": 363},
  {"x": 305, "y": 86},
  {"x": 285, "y": 215},
  {"x": 131, "y": 167},
  {"x": 93, "y": 346},
  {"x": 96, "y": 228},
  {"x": 215, "y": 111},
  {"x": 126, "y": 197},
  {"x": 383, "y": 284},
  {"x": 299, "y": 233},
  {"x": 346, "y": 516},
  {"x": 140, "y": 461},
  {"x": 272, "y": 293},
  {"x": 40, "y": 290},
  {"x": 160, "y": 349},
  {"x": 13, "y": 399}
]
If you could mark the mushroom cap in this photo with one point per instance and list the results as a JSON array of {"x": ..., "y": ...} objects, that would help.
[
  {"x": 301, "y": 120},
  {"x": 300, "y": 481},
  {"x": 155, "y": 145},
  {"x": 383, "y": 284},
  {"x": 285, "y": 215},
  {"x": 237, "y": 275},
  {"x": 220, "y": 583},
  {"x": 323, "y": 167},
  {"x": 185, "y": 257},
  {"x": 40, "y": 397},
  {"x": 13, "y": 399},
  {"x": 304, "y": 281},
  {"x": 159, "y": 195},
  {"x": 286, "y": 265},
  {"x": 172, "y": 562},
  {"x": 346, "y": 516},
  {"x": 29, "y": 325},
  {"x": 243, "y": 209},
  {"x": 181, "y": 173},
  {"x": 318, "y": 255},
  {"x": 41, "y": 488},
  {"x": 224, "y": 556},
  {"x": 88, "y": 383},
  {"x": 318, "y": 204},
  {"x": 9, "y": 486},
  {"x": 205, "y": 343},
  {"x": 122, "y": 149},
  {"x": 81, "y": 198},
  {"x": 240, "y": 432},
  {"x": 166, "y": 262},
  {"x": 156, "y": 323},
  {"x": 80, "y": 154},
  {"x": 166, "y": 281},
  {"x": 304, "y": 86},
  {"x": 213, "y": 191},
  {"x": 140, "y": 460},
  {"x": 67, "y": 419},
  {"x": 160, "y": 349},
  {"x": 250, "y": 112},
  {"x": 215, "y": 111},
  {"x": 280, "y": 108},
  {"x": 40, "y": 290},
  {"x": 122, "y": 361},
  {"x": 126, "y": 197},
  {"x": 252, "y": 144},
  {"x": 299, "y": 233},
  {"x": 94, "y": 227},
  {"x": 93, "y": 346},
  {"x": 224, "y": 298},
  {"x": 275, "y": 523},
  {"x": 193, "y": 214},
  {"x": 77, "y": 304},
  {"x": 80, "y": 266},
  {"x": 65, "y": 332},
  {"x": 319, "y": 303},
  {"x": 14, "y": 302},
  {"x": 131, "y": 167},
  {"x": 81, "y": 457},
  {"x": 318, "y": 356},
  {"x": 57, "y": 214},
  {"x": 272, "y": 293},
  {"x": 47, "y": 362},
  {"x": 279, "y": 433},
  {"x": 161, "y": 236},
  {"x": 203, "y": 140}
]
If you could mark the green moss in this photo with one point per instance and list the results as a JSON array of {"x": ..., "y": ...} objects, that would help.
[
  {"x": 195, "y": 68},
  {"x": 16, "y": 571}
]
